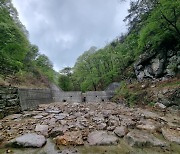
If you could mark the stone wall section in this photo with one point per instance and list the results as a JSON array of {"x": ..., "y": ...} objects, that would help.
[{"x": 9, "y": 101}]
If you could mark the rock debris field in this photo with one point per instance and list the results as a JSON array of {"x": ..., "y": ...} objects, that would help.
[{"x": 90, "y": 128}]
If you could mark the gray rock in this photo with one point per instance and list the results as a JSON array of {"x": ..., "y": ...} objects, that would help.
[
  {"x": 140, "y": 75},
  {"x": 38, "y": 117},
  {"x": 121, "y": 131},
  {"x": 30, "y": 140},
  {"x": 53, "y": 111},
  {"x": 171, "y": 135},
  {"x": 157, "y": 66},
  {"x": 101, "y": 138},
  {"x": 98, "y": 119},
  {"x": 58, "y": 131},
  {"x": 160, "y": 105},
  {"x": 43, "y": 129},
  {"x": 61, "y": 116},
  {"x": 111, "y": 128},
  {"x": 149, "y": 125},
  {"x": 101, "y": 126},
  {"x": 165, "y": 102},
  {"x": 113, "y": 121},
  {"x": 149, "y": 115},
  {"x": 143, "y": 139}
]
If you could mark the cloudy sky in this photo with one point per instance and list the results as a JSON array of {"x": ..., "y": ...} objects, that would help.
[{"x": 64, "y": 29}]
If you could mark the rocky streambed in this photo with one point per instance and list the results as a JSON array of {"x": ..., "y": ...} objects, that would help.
[{"x": 90, "y": 128}]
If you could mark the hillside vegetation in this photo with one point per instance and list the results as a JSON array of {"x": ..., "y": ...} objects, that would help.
[
  {"x": 154, "y": 29},
  {"x": 21, "y": 62}
]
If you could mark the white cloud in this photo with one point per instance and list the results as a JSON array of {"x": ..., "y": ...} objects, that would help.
[{"x": 64, "y": 29}]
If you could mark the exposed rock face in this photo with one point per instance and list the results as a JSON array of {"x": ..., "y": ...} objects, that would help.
[
  {"x": 143, "y": 139},
  {"x": 171, "y": 135},
  {"x": 155, "y": 65},
  {"x": 168, "y": 98},
  {"x": 121, "y": 131},
  {"x": 101, "y": 138},
  {"x": 28, "y": 141},
  {"x": 70, "y": 138}
]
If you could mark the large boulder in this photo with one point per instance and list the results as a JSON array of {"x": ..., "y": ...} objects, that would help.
[
  {"x": 101, "y": 138},
  {"x": 30, "y": 140},
  {"x": 121, "y": 131},
  {"x": 143, "y": 139}
]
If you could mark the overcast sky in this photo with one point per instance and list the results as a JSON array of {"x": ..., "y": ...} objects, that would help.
[{"x": 64, "y": 29}]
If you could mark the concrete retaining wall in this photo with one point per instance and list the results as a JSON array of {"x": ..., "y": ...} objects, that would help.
[
  {"x": 69, "y": 97},
  {"x": 97, "y": 96},
  {"x": 31, "y": 98},
  {"x": 14, "y": 100}
]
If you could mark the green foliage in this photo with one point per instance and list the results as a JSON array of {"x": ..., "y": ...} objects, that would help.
[
  {"x": 151, "y": 103},
  {"x": 17, "y": 56},
  {"x": 65, "y": 82},
  {"x": 162, "y": 28},
  {"x": 13, "y": 43},
  {"x": 129, "y": 96}
]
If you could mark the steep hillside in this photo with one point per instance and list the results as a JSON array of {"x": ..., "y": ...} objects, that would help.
[{"x": 21, "y": 64}]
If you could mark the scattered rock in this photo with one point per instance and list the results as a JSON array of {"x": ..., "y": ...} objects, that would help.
[
  {"x": 111, "y": 128},
  {"x": 149, "y": 115},
  {"x": 38, "y": 117},
  {"x": 101, "y": 138},
  {"x": 98, "y": 119},
  {"x": 58, "y": 131},
  {"x": 43, "y": 129},
  {"x": 171, "y": 135},
  {"x": 61, "y": 116},
  {"x": 143, "y": 139},
  {"x": 70, "y": 138},
  {"x": 53, "y": 111},
  {"x": 121, "y": 131},
  {"x": 101, "y": 126},
  {"x": 13, "y": 116},
  {"x": 30, "y": 140},
  {"x": 149, "y": 125},
  {"x": 160, "y": 105}
]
